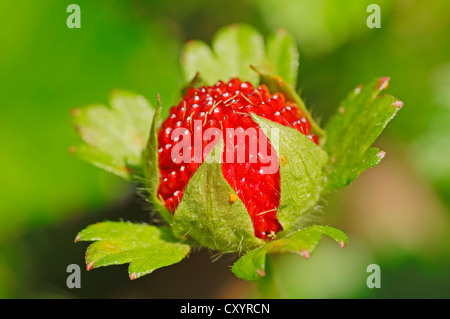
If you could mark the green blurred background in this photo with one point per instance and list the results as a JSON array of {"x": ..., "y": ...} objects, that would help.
[{"x": 397, "y": 215}]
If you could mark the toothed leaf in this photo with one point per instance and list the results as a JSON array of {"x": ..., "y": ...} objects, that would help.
[
  {"x": 283, "y": 57},
  {"x": 145, "y": 247},
  {"x": 114, "y": 136},
  {"x": 360, "y": 119},
  {"x": 234, "y": 49},
  {"x": 251, "y": 266}
]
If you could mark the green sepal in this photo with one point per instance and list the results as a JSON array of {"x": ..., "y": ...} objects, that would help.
[
  {"x": 195, "y": 83},
  {"x": 234, "y": 49},
  {"x": 151, "y": 166},
  {"x": 114, "y": 136},
  {"x": 206, "y": 213},
  {"x": 282, "y": 57},
  {"x": 106, "y": 161},
  {"x": 301, "y": 165},
  {"x": 145, "y": 247},
  {"x": 251, "y": 266},
  {"x": 359, "y": 120},
  {"x": 277, "y": 84}
]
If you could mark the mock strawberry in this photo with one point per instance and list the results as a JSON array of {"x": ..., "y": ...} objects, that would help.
[
  {"x": 201, "y": 171},
  {"x": 228, "y": 107}
]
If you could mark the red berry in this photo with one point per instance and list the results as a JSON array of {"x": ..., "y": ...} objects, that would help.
[
  {"x": 314, "y": 138},
  {"x": 222, "y": 106}
]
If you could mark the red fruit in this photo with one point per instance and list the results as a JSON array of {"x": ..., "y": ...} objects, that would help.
[{"x": 222, "y": 106}]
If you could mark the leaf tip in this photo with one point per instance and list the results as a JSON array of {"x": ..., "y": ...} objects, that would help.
[
  {"x": 75, "y": 112},
  {"x": 341, "y": 244},
  {"x": 305, "y": 253},
  {"x": 255, "y": 69},
  {"x": 261, "y": 272},
  {"x": 282, "y": 31},
  {"x": 77, "y": 239},
  {"x": 90, "y": 266},
  {"x": 159, "y": 100},
  {"x": 71, "y": 150},
  {"x": 190, "y": 42},
  {"x": 114, "y": 91},
  {"x": 381, "y": 154},
  {"x": 398, "y": 104},
  {"x": 133, "y": 276},
  {"x": 234, "y": 26},
  {"x": 383, "y": 83}
]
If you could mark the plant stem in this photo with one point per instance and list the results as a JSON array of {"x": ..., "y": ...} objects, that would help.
[{"x": 267, "y": 285}]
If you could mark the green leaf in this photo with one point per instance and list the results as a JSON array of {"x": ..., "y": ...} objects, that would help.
[
  {"x": 145, "y": 247},
  {"x": 103, "y": 160},
  {"x": 234, "y": 49},
  {"x": 360, "y": 119},
  {"x": 114, "y": 136},
  {"x": 151, "y": 168},
  {"x": 206, "y": 213},
  {"x": 251, "y": 266},
  {"x": 301, "y": 165},
  {"x": 283, "y": 56}
]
